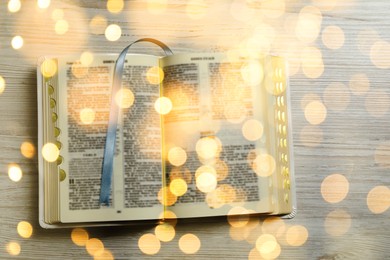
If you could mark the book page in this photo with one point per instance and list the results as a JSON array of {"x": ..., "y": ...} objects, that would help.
[
  {"x": 85, "y": 97},
  {"x": 210, "y": 140}
]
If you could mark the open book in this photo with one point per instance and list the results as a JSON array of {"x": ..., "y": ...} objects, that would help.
[{"x": 198, "y": 135}]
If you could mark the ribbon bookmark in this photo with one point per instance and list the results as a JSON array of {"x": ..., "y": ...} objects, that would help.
[{"x": 109, "y": 149}]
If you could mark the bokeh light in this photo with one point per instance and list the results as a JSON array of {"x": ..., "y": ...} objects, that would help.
[
  {"x": 312, "y": 63},
  {"x": 98, "y": 24},
  {"x": 264, "y": 165},
  {"x": 252, "y": 73},
  {"x": 27, "y": 149},
  {"x": 309, "y": 24},
  {"x": 94, "y": 247},
  {"x": 380, "y": 54},
  {"x": 50, "y": 152},
  {"x": 17, "y": 42},
  {"x": 206, "y": 182},
  {"x": 178, "y": 187},
  {"x": 79, "y": 236},
  {"x": 149, "y": 244},
  {"x": 165, "y": 232},
  {"x": 296, "y": 235},
  {"x": 315, "y": 112},
  {"x": 61, "y": 27},
  {"x": 378, "y": 199},
  {"x": 49, "y": 68},
  {"x": 14, "y": 172},
  {"x": 43, "y": 4},
  {"x": 86, "y": 58},
  {"x": 13, "y": 248},
  {"x": 124, "y": 98},
  {"x": 273, "y": 225},
  {"x": 337, "y": 222},
  {"x": 163, "y": 105},
  {"x": 189, "y": 244},
  {"x": 252, "y": 129},
  {"x": 105, "y": 255},
  {"x": 177, "y": 156},
  {"x": 155, "y": 75},
  {"x": 115, "y": 6},
  {"x": 87, "y": 116},
  {"x": 207, "y": 147},
  {"x": 268, "y": 246},
  {"x": 359, "y": 84},
  {"x": 113, "y": 32},
  {"x": 333, "y": 37},
  {"x": 14, "y": 6},
  {"x": 166, "y": 197},
  {"x": 334, "y": 188},
  {"x": 337, "y": 96},
  {"x": 24, "y": 229},
  {"x": 238, "y": 216},
  {"x": 2, "y": 85}
]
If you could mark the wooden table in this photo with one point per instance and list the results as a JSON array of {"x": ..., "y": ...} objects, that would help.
[{"x": 340, "y": 111}]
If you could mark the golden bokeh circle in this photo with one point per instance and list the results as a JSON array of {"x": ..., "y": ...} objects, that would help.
[
  {"x": 378, "y": 199},
  {"x": 149, "y": 244},
  {"x": 189, "y": 244},
  {"x": 334, "y": 188}
]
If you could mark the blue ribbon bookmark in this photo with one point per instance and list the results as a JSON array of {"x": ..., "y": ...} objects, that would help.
[{"x": 109, "y": 149}]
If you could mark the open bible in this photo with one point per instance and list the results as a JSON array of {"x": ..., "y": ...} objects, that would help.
[{"x": 198, "y": 135}]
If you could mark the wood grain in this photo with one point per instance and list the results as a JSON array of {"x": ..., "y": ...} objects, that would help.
[{"x": 346, "y": 142}]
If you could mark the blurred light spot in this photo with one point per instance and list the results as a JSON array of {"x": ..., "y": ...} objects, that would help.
[
  {"x": 196, "y": 9},
  {"x": 13, "y": 248},
  {"x": 149, "y": 244},
  {"x": 205, "y": 168},
  {"x": 165, "y": 232},
  {"x": 264, "y": 165},
  {"x": 315, "y": 112},
  {"x": 180, "y": 173},
  {"x": 78, "y": 70},
  {"x": 27, "y": 149},
  {"x": 17, "y": 42},
  {"x": 222, "y": 170},
  {"x": 365, "y": 39},
  {"x": 337, "y": 96},
  {"x": 241, "y": 11},
  {"x": 163, "y": 105},
  {"x": 359, "y": 84},
  {"x": 157, "y": 6},
  {"x": 333, "y": 37},
  {"x": 98, "y": 24},
  {"x": 61, "y": 27},
  {"x": 115, "y": 6},
  {"x": 87, "y": 116},
  {"x": 252, "y": 130},
  {"x": 307, "y": 98},
  {"x": 57, "y": 14},
  {"x": 50, "y": 152},
  {"x": 334, "y": 188},
  {"x": 377, "y": 102},
  {"x": 14, "y": 172},
  {"x": 337, "y": 222},
  {"x": 166, "y": 197},
  {"x": 266, "y": 244},
  {"x": 311, "y": 135},
  {"x": 309, "y": 24},
  {"x": 378, "y": 199},
  {"x": 2, "y": 84},
  {"x": 14, "y": 6},
  {"x": 222, "y": 195},
  {"x": 79, "y": 236},
  {"x": 113, "y": 32},
  {"x": 189, "y": 244},
  {"x": 168, "y": 217},
  {"x": 382, "y": 155},
  {"x": 105, "y": 255},
  {"x": 24, "y": 229},
  {"x": 49, "y": 68},
  {"x": 94, "y": 246},
  {"x": 86, "y": 58},
  {"x": 207, "y": 147},
  {"x": 252, "y": 73},
  {"x": 178, "y": 187},
  {"x": 312, "y": 63},
  {"x": 124, "y": 98},
  {"x": 273, "y": 8},
  {"x": 43, "y": 4},
  {"x": 380, "y": 54},
  {"x": 296, "y": 235},
  {"x": 238, "y": 216},
  {"x": 206, "y": 182},
  {"x": 177, "y": 156},
  {"x": 155, "y": 75}
]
